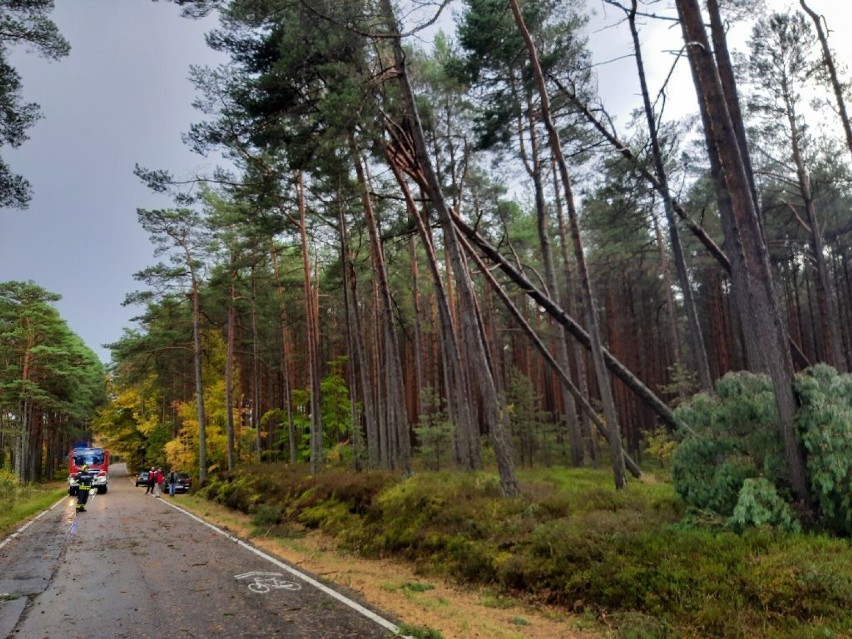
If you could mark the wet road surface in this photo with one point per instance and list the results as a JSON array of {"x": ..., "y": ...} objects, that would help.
[{"x": 133, "y": 567}]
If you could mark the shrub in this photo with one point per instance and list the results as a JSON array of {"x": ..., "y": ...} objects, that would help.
[
  {"x": 825, "y": 425},
  {"x": 8, "y": 484},
  {"x": 736, "y": 440},
  {"x": 760, "y": 505}
]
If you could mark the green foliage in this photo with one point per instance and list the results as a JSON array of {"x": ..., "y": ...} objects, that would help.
[
  {"x": 8, "y": 484},
  {"x": 45, "y": 368},
  {"x": 336, "y": 405},
  {"x": 23, "y": 21},
  {"x": 301, "y": 400},
  {"x": 825, "y": 425},
  {"x": 660, "y": 445},
  {"x": 533, "y": 429},
  {"x": 760, "y": 505},
  {"x": 27, "y": 500},
  {"x": 733, "y": 466},
  {"x": 434, "y": 431},
  {"x": 683, "y": 383},
  {"x": 737, "y": 438}
]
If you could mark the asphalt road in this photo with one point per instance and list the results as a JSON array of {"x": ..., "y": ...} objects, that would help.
[{"x": 132, "y": 566}]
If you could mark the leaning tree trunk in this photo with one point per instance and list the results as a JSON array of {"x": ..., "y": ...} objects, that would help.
[
  {"x": 725, "y": 67},
  {"x": 828, "y": 61},
  {"x": 617, "y": 368},
  {"x": 751, "y": 271},
  {"x": 365, "y": 443},
  {"x": 831, "y": 351},
  {"x": 495, "y": 412},
  {"x": 535, "y": 170},
  {"x": 598, "y": 364},
  {"x": 562, "y": 373},
  {"x": 467, "y": 452},
  {"x": 698, "y": 349},
  {"x": 569, "y": 294},
  {"x": 418, "y": 326}
]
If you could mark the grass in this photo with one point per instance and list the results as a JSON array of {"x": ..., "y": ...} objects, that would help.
[{"x": 24, "y": 502}]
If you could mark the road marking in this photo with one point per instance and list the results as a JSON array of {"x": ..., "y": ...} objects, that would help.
[
  {"x": 384, "y": 623},
  {"x": 264, "y": 582}
]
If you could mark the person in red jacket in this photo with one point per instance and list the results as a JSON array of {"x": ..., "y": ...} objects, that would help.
[{"x": 158, "y": 482}]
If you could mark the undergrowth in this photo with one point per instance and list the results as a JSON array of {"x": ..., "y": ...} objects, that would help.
[{"x": 570, "y": 540}]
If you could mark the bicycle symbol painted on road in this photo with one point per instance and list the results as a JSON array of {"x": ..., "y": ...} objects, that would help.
[{"x": 264, "y": 582}]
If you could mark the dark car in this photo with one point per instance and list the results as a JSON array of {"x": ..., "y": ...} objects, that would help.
[
  {"x": 183, "y": 483},
  {"x": 142, "y": 478}
]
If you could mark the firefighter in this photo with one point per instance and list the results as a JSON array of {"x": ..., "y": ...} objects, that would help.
[{"x": 84, "y": 486}]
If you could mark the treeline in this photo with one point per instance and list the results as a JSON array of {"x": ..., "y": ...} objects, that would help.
[
  {"x": 51, "y": 383},
  {"x": 418, "y": 252}
]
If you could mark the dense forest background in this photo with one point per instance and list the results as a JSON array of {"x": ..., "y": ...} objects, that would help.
[{"x": 448, "y": 256}]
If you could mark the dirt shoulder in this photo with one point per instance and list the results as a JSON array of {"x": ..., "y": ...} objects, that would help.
[{"x": 393, "y": 586}]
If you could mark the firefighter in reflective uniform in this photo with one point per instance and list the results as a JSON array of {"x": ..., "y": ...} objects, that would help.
[{"x": 84, "y": 487}]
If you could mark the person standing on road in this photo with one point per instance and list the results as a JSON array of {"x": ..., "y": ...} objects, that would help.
[
  {"x": 158, "y": 478},
  {"x": 149, "y": 485},
  {"x": 172, "y": 482}
]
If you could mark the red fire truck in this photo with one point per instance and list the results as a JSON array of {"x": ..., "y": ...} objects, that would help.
[{"x": 97, "y": 461}]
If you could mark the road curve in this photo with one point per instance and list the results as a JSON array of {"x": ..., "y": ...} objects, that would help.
[{"x": 132, "y": 567}]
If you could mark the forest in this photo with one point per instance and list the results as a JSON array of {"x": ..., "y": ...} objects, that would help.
[{"x": 417, "y": 258}]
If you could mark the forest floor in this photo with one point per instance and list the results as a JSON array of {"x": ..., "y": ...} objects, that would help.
[{"x": 396, "y": 588}]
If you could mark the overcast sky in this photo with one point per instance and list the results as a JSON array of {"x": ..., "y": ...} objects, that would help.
[{"x": 122, "y": 97}]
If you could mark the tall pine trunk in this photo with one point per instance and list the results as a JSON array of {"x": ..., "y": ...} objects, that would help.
[
  {"x": 698, "y": 351},
  {"x": 494, "y": 409},
  {"x": 285, "y": 359},
  {"x": 750, "y": 270},
  {"x": 535, "y": 170},
  {"x": 400, "y": 451},
  {"x": 598, "y": 364},
  {"x": 311, "y": 338}
]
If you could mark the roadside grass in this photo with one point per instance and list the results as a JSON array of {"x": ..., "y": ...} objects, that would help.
[
  {"x": 570, "y": 542},
  {"x": 19, "y": 504}
]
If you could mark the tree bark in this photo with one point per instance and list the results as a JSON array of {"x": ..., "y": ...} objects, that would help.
[
  {"x": 495, "y": 412},
  {"x": 698, "y": 350},
  {"x": 467, "y": 450},
  {"x": 229, "y": 368},
  {"x": 572, "y": 326},
  {"x": 562, "y": 373},
  {"x": 605, "y": 388},
  {"x": 828, "y": 61},
  {"x": 311, "y": 324},
  {"x": 535, "y": 171},
  {"x": 398, "y": 422},
  {"x": 751, "y": 270},
  {"x": 285, "y": 359}
]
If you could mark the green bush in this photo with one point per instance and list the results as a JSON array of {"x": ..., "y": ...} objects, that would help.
[
  {"x": 760, "y": 505},
  {"x": 732, "y": 462},
  {"x": 825, "y": 425}
]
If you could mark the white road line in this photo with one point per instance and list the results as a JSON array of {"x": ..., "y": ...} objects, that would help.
[
  {"x": 29, "y": 523},
  {"x": 313, "y": 582}
]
